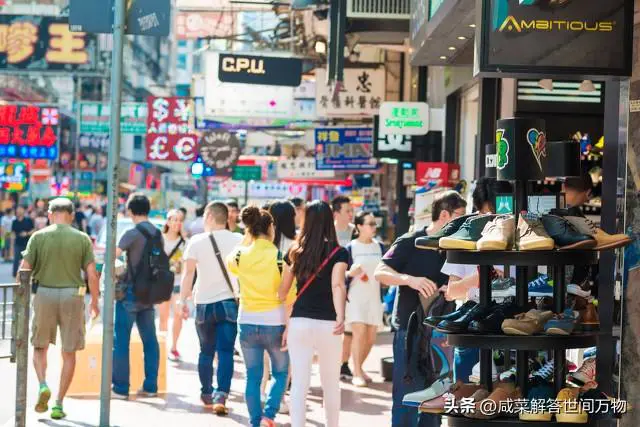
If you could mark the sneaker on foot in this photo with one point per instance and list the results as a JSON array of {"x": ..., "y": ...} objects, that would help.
[
  {"x": 119, "y": 396},
  {"x": 359, "y": 382},
  {"x": 44, "y": 394},
  {"x": 57, "y": 413},
  {"x": 206, "y": 399},
  {"x": 267, "y": 422},
  {"x": 220, "y": 404},
  {"x": 143, "y": 393},
  {"x": 345, "y": 372},
  {"x": 174, "y": 356}
]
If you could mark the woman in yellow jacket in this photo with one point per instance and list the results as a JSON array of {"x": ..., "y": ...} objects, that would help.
[{"x": 262, "y": 317}]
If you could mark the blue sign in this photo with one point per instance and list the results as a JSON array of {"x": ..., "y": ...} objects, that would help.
[
  {"x": 25, "y": 152},
  {"x": 345, "y": 149}
]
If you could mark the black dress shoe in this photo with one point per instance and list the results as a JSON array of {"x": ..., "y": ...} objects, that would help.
[
  {"x": 461, "y": 324},
  {"x": 492, "y": 324},
  {"x": 434, "y": 320},
  {"x": 565, "y": 234}
]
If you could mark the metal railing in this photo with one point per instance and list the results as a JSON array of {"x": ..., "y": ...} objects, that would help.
[{"x": 7, "y": 321}]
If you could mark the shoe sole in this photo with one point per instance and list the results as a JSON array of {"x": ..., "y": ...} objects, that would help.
[
  {"x": 431, "y": 248},
  {"x": 43, "y": 402},
  {"x": 542, "y": 245},
  {"x": 491, "y": 245},
  {"x": 585, "y": 244},
  {"x": 536, "y": 416},
  {"x": 541, "y": 294},
  {"x": 613, "y": 245},
  {"x": 449, "y": 243},
  {"x": 578, "y": 292},
  {"x": 514, "y": 331},
  {"x": 572, "y": 418},
  {"x": 557, "y": 331}
]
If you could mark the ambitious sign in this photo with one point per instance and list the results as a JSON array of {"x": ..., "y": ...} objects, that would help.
[
  {"x": 169, "y": 131},
  {"x": 37, "y": 43},
  {"x": 345, "y": 148},
  {"x": 29, "y": 132},
  {"x": 260, "y": 70},
  {"x": 587, "y": 37}
]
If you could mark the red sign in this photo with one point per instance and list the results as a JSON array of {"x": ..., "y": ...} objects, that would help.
[
  {"x": 169, "y": 131},
  {"x": 28, "y": 132},
  {"x": 443, "y": 174}
]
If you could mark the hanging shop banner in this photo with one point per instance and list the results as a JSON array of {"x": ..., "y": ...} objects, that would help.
[
  {"x": 302, "y": 168},
  {"x": 169, "y": 132},
  {"x": 404, "y": 118},
  {"x": 143, "y": 17},
  {"x": 438, "y": 173},
  {"x": 220, "y": 150},
  {"x": 260, "y": 70},
  {"x": 362, "y": 94},
  {"x": 14, "y": 176},
  {"x": 582, "y": 38},
  {"x": 39, "y": 43},
  {"x": 199, "y": 25},
  {"x": 241, "y": 100},
  {"x": 260, "y": 190},
  {"x": 345, "y": 148},
  {"x": 392, "y": 146},
  {"x": 29, "y": 132},
  {"x": 95, "y": 118}
]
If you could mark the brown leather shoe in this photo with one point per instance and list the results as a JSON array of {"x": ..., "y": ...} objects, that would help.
[
  {"x": 456, "y": 393},
  {"x": 489, "y": 408},
  {"x": 588, "y": 320},
  {"x": 529, "y": 323}
]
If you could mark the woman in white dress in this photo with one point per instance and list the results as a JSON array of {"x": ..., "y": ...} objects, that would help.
[{"x": 364, "y": 307}]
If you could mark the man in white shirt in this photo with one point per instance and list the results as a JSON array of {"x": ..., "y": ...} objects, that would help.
[{"x": 214, "y": 296}]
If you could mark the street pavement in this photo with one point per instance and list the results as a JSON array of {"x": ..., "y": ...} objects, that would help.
[{"x": 181, "y": 406}]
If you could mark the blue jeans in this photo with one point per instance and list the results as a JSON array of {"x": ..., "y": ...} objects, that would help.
[
  {"x": 127, "y": 313},
  {"x": 217, "y": 329},
  {"x": 464, "y": 359},
  {"x": 255, "y": 340},
  {"x": 403, "y": 416},
  {"x": 17, "y": 258}
]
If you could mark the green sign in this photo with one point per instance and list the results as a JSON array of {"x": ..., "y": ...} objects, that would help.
[
  {"x": 404, "y": 118},
  {"x": 504, "y": 204},
  {"x": 247, "y": 173},
  {"x": 434, "y": 5},
  {"x": 95, "y": 118}
]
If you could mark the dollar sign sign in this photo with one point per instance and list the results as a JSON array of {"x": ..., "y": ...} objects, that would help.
[{"x": 160, "y": 109}]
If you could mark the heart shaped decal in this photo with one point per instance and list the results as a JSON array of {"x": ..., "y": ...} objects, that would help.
[{"x": 538, "y": 143}]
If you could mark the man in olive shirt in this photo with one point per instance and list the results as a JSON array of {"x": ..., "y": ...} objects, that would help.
[{"x": 57, "y": 255}]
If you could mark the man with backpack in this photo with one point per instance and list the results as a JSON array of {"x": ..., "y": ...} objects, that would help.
[
  {"x": 214, "y": 295},
  {"x": 148, "y": 280},
  {"x": 417, "y": 274}
]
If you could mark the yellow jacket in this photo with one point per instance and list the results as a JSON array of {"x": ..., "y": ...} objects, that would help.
[{"x": 256, "y": 267}]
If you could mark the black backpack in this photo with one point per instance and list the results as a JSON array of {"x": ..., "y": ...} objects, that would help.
[{"x": 152, "y": 278}]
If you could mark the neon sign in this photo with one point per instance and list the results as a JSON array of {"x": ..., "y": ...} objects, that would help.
[{"x": 29, "y": 132}]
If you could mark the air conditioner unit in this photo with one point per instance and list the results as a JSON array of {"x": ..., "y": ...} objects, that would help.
[{"x": 379, "y": 9}]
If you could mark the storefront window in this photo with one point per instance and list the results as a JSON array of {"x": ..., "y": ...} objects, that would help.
[{"x": 467, "y": 131}]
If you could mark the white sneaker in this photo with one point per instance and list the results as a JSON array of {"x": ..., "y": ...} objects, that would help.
[
  {"x": 578, "y": 291},
  {"x": 359, "y": 382},
  {"x": 118, "y": 396}
]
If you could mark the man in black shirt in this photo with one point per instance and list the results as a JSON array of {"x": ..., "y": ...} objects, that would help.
[
  {"x": 414, "y": 271},
  {"x": 21, "y": 230}
]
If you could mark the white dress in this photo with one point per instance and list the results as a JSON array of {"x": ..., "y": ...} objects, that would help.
[{"x": 365, "y": 304}]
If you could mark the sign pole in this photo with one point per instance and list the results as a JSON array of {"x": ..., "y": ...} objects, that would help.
[
  {"x": 112, "y": 208},
  {"x": 246, "y": 192},
  {"x": 76, "y": 159}
]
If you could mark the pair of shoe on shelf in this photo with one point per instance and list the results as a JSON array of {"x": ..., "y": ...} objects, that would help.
[
  {"x": 536, "y": 321},
  {"x": 562, "y": 228}
]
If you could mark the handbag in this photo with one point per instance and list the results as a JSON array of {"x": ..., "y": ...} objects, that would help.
[
  {"x": 315, "y": 274},
  {"x": 216, "y": 250}
]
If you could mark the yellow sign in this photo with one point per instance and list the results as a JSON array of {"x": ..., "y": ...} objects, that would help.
[
  {"x": 240, "y": 65},
  {"x": 513, "y": 24}
]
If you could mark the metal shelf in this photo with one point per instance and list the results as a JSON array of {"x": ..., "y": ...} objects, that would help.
[
  {"x": 523, "y": 342},
  {"x": 523, "y": 258}
]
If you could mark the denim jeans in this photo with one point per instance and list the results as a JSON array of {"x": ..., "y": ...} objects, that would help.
[
  {"x": 403, "y": 416},
  {"x": 464, "y": 359},
  {"x": 217, "y": 329},
  {"x": 128, "y": 312},
  {"x": 17, "y": 258},
  {"x": 255, "y": 340}
]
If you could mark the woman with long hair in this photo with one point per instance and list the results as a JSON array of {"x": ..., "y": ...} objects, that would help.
[
  {"x": 262, "y": 317},
  {"x": 364, "y": 310},
  {"x": 174, "y": 246},
  {"x": 318, "y": 264}
]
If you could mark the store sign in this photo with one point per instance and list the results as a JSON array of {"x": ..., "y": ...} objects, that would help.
[
  {"x": 404, "y": 118},
  {"x": 345, "y": 148},
  {"x": 247, "y": 173},
  {"x": 169, "y": 133},
  {"x": 302, "y": 168},
  {"x": 143, "y": 17},
  {"x": 199, "y": 25},
  {"x": 95, "y": 118},
  {"x": 29, "y": 132},
  {"x": 241, "y": 100},
  {"x": 219, "y": 150},
  {"x": 392, "y": 146},
  {"x": 260, "y": 70},
  {"x": 362, "y": 94},
  {"x": 589, "y": 37},
  {"x": 438, "y": 173},
  {"x": 260, "y": 190},
  {"x": 38, "y": 43},
  {"x": 13, "y": 176}
]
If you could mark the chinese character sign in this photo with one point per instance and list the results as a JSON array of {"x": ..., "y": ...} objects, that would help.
[
  {"x": 362, "y": 95},
  {"x": 29, "y": 132},
  {"x": 169, "y": 132},
  {"x": 302, "y": 168},
  {"x": 345, "y": 148},
  {"x": 95, "y": 118},
  {"x": 38, "y": 43}
]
